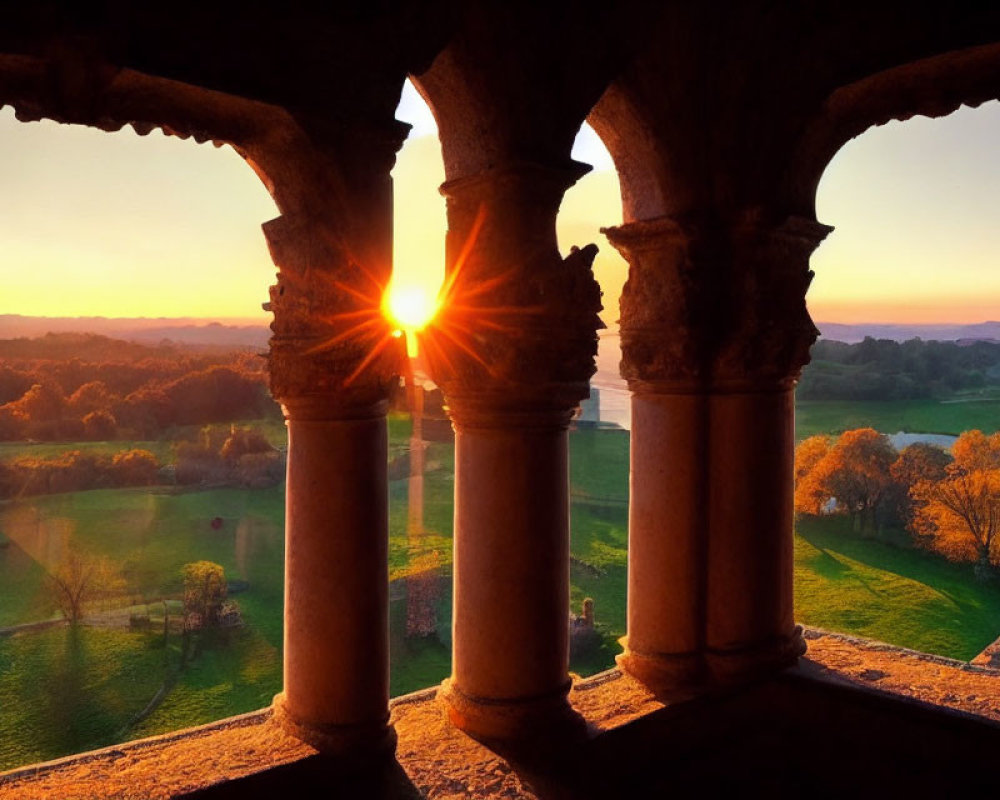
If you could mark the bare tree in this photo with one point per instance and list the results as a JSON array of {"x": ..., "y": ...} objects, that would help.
[{"x": 78, "y": 580}]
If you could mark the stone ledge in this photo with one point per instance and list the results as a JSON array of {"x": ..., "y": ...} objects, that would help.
[
  {"x": 433, "y": 754},
  {"x": 940, "y": 681}
]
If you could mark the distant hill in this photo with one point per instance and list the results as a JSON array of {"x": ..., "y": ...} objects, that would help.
[
  {"x": 239, "y": 333},
  {"x": 977, "y": 332},
  {"x": 92, "y": 348},
  {"x": 609, "y": 353},
  {"x": 181, "y": 330}
]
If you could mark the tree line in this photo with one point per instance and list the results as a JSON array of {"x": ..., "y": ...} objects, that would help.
[
  {"x": 883, "y": 369},
  {"x": 239, "y": 456},
  {"x": 948, "y": 503},
  {"x": 73, "y": 387}
]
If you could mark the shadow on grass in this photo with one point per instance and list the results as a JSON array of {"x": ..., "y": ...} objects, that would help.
[
  {"x": 826, "y": 565},
  {"x": 919, "y": 600},
  {"x": 834, "y": 535}
]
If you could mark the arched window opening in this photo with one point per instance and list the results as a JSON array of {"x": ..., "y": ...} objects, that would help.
[
  {"x": 141, "y": 456},
  {"x": 898, "y": 412},
  {"x": 421, "y": 441},
  {"x": 599, "y": 440}
]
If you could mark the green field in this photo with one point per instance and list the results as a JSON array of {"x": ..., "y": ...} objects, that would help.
[
  {"x": 905, "y": 597},
  {"x": 95, "y": 681},
  {"x": 163, "y": 448},
  {"x": 952, "y": 416}
]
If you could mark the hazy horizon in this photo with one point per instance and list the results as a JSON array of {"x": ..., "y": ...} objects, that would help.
[
  {"x": 265, "y": 320},
  {"x": 154, "y": 227}
]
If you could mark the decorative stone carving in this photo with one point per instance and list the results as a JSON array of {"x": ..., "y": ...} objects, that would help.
[
  {"x": 518, "y": 328},
  {"x": 771, "y": 330},
  {"x": 329, "y": 335},
  {"x": 712, "y": 304}
]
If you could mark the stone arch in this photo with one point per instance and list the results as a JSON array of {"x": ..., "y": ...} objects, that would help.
[
  {"x": 123, "y": 97},
  {"x": 282, "y": 150},
  {"x": 639, "y": 155},
  {"x": 932, "y": 87}
]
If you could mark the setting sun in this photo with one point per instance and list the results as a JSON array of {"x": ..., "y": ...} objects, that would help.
[{"x": 410, "y": 307}]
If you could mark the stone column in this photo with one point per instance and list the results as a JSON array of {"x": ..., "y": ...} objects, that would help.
[
  {"x": 332, "y": 362},
  {"x": 714, "y": 334},
  {"x": 513, "y": 350}
]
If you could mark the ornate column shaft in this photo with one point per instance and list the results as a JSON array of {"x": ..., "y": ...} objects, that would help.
[
  {"x": 714, "y": 333},
  {"x": 513, "y": 350},
  {"x": 332, "y": 363}
]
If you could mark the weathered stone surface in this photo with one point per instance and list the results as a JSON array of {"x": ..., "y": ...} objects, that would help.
[
  {"x": 713, "y": 305},
  {"x": 518, "y": 326},
  {"x": 329, "y": 334},
  {"x": 989, "y": 657}
]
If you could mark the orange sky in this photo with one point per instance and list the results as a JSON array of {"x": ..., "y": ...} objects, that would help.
[{"x": 122, "y": 225}]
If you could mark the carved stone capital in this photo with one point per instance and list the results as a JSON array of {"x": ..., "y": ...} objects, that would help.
[
  {"x": 714, "y": 304},
  {"x": 330, "y": 338},
  {"x": 518, "y": 325},
  {"x": 530, "y": 342}
]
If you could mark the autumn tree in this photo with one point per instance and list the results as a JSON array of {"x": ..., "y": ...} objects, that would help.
[
  {"x": 100, "y": 426},
  {"x": 91, "y": 396},
  {"x": 43, "y": 402},
  {"x": 855, "y": 471},
  {"x": 917, "y": 462},
  {"x": 810, "y": 495},
  {"x": 135, "y": 468},
  {"x": 960, "y": 513},
  {"x": 974, "y": 450},
  {"x": 243, "y": 441},
  {"x": 260, "y": 470},
  {"x": 204, "y": 591}
]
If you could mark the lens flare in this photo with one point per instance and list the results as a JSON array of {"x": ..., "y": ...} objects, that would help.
[{"x": 410, "y": 307}]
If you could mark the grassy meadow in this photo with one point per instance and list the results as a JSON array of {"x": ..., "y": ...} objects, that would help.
[
  {"x": 905, "y": 597},
  {"x": 952, "y": 416},
  {"x": 94, "y": 681}
]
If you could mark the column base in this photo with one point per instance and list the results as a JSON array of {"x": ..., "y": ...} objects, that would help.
[
  {"x": 548, "y": 720},
  {"x": 741, "y": 664},
  {"x": 669, "y": 676},
  {"x": 352, "y": 747}
]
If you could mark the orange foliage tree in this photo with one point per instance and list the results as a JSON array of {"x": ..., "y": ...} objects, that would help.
[
  {"x": 855, "y": 472},
  {"x": 959, "y": 515},
  {"x": 810, "y": 494},
  {"x": 975, "y": 450},
  {"x": 917, "y": 462},
  {"x": 135, "y": 468}
]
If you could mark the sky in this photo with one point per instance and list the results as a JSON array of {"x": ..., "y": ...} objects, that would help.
[{"x": 120, "y": 225}]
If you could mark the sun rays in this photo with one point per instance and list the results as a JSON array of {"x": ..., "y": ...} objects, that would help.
[{"x": 443, "y": 331}]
